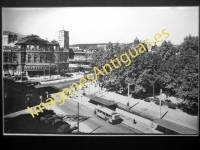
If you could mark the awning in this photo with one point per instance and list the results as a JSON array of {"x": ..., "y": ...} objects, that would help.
[
  {"x": 101, "y": 100},
  {"x": 174, "y": 127}
]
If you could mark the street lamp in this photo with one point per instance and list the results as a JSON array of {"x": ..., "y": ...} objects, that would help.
[
  {"x": 89, "y": 88},
  {"x": 160, "y": 101},
  {"x": 153, "y": 83},
  {"x": 128, "y": 91},
  {"x": 30, "y": 89},
  {"x": 44, "y": 73},
  {"x": 78, "y": 118}
]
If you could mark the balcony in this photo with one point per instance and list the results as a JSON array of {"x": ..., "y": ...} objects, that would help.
[
  {"x": 62, "y": 61},
  {"x": 10, "y": 63}
]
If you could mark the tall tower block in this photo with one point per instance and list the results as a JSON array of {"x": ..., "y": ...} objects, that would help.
[{"x": 63, "y": 39}]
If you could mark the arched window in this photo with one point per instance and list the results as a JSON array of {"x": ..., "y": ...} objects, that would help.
[
  {"x": 35, "y": 58},
  {"x": 29, "y": 58}
]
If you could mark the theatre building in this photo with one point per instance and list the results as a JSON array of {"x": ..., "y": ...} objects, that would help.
[{"x": 32, "y": 55}]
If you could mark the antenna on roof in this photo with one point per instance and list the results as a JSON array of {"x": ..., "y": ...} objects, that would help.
[{"x": 63, "y": 27}]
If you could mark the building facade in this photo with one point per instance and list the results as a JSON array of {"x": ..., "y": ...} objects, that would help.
[
  {"x": 9, "y": 37},
  {"x": 63, "y": 39},
  {"x": 82, "y": 59},
  {"x": 34, "y": 56}
]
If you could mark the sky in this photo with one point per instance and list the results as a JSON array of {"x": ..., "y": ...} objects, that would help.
[{"x": 103, "y": 24}]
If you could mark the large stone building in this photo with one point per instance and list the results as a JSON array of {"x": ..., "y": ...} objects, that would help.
[
  {"x": 63, "y": 39},
  {"x": 35, "y": 56}
]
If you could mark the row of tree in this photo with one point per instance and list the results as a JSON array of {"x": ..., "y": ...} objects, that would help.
[{"x": 173, "y": 68}]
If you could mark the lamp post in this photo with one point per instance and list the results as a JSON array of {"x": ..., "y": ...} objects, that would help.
[
  {"x": 49, "y": 70},
  {"x": 30, "y": 90},
  {"x": 153, "y": 65},
  {"x": 160, "y": 101},
  {"x": 128, "y": 91},
  {"x": 78, "y": 117},
  {"x": 44, "y": 73},
  {"x": 89, "y": 88},
  {"x": 128, "y": 94}
]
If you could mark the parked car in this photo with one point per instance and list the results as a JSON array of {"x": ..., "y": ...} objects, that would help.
[
  {"x": 167, "y": 100},
  {"x": 58, "y": 122},
  {"x": 66, "y": 128},
  {"x": 42, "y": 119},
  {"x": 50, "y": 120},
  {"x": 147, "y": 99},
  {"x": 158, "y": 103},
  {"x": 69, "y": 75},
  {"x": 172, "y": 105},
  {"x": 42, "y": 114}
]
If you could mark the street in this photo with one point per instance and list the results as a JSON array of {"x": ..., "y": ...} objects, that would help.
[{"x": 70, "y": 107}]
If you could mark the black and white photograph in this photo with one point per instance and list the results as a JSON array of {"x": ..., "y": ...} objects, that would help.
[{"x": 99, "y": 71}]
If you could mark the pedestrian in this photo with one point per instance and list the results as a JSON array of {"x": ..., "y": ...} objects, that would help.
[
  {"x": 28, "y": 101},
  {"x": 41, "y": 98},
  {"x": 134, "y": 122},
  {"x": 128, "y": 104},
  {"x": 46, "y": 95}
]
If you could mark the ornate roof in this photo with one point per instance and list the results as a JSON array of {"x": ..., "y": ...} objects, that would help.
[
  {"x": 54, "y": 43},
  {"x": 32, "y": 40}
]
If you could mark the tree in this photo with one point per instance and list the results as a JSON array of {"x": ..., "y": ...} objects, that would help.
[
  {"x": 71, "y": 53},
  {"x": 188, "y": 77}
]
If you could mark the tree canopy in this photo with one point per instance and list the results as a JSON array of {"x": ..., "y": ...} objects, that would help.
[{"x": 169, "y": 67}]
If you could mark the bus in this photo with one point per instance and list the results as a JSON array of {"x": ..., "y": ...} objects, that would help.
[{"x": 109, "y": 115}]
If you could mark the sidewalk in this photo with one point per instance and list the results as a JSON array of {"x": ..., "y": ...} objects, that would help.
[
  {"x": 143, "y": 125},
  {"x": 62, "y": 80},
  {"x": 153, "y": 110},
  {"x": 148, "y": 109}
]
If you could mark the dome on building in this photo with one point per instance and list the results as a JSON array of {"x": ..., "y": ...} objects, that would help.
[
  {"x": 54, "y": 42},
  {"x": 136, "y": 41}
]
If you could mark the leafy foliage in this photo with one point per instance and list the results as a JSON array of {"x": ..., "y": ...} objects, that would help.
[{"x": 171, "y": 67}]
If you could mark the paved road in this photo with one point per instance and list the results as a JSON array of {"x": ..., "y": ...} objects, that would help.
[
  {"x": 60, "y": 85},
  {"x": 70, "y": 107}
]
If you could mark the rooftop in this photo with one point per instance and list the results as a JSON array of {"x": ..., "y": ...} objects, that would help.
[
  {"x": 101, "y": 100},
  {"x": 32, "y": 40}
]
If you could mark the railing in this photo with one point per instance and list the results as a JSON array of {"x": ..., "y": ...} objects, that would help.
[
  {"x": 11, "y": 48},
  {"x": 10, "y": 62}
]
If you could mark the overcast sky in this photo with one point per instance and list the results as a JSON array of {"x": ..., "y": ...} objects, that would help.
[{"x": 103, "y": 24}]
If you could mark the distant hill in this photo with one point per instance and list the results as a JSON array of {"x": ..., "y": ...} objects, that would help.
[
  {"x": 86, "y": 46},
  {"x": 19, "y": 35}
]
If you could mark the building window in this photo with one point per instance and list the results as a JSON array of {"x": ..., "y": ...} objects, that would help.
[
  {"x": 29, "y": 58},
  {"x": 22, "y": 58},
  {"x": 14, "y": 58},
  {"x": 47, "y": 58},
  {"x": 41, "y": 58},
  {"x": 5, "y": 58},
  {"x": 35, "y": 58}
]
